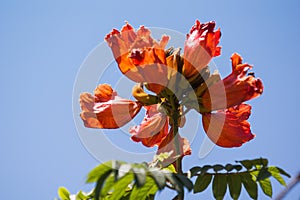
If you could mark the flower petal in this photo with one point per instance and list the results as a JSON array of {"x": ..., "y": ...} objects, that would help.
[
  {"x": 229, "y": 128},
  {"x": 140, "y": 57},
  {"x": 234, "y": 89},
  {"x": 153, "y": 128},
  {"x": 103, "y": 93},
  {"x": 100, "y": 112},
  {"x": 200, "y": 47}
]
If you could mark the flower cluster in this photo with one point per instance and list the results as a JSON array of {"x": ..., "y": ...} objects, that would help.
[{"x": 169, "y": 84}]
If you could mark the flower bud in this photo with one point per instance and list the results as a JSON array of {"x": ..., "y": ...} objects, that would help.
[{"x": 143, "y": 97}]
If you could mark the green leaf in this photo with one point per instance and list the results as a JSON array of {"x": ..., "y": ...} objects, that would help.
[
  {"x": 185, "y": 181},
  {"x": 276, "y": 174},
  {"x": 142, "y": 193},
  {"x": 202, "y": 182},
  {"x": 108, "y": 185},
  {"x": 171, "y": 168},
  {"x": 158, "y": 177},
  {"x": 81, "y": 196},
  {"x": 281, "y": 171},
  {"x": 229, "y": 167},
  {"x": 100, "y": 182},
  {"x": 153, "y": 189},
  {"x": 195, "y": 170},
  {"x": 98, "y": 171},
  {"x": 150, "y": 197},
  {"x": 205, "y": 168},
  {"x": 263, "y": 174},
  {"x": 174, "y": 181},
  {"x": 140, "y": 176},
  {"x": 266, "y": 186},
  {"x": 237, "y": 167},
  {"x": 246, "y": 163},
  {"x": 63, "y": 193},
  {"x": 250, "y": 185},
  {"x": 121, "y": 186},
  {"x": 235, "y": 185},
  {"x": 217, "y": 168},
  {"x": 260, "y": 161},
  {"x": 219, "y": 186},
  {"x": 126, "y": 196}
]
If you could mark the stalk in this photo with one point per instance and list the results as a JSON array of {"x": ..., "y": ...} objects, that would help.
[{"x": 175, "y": 115}]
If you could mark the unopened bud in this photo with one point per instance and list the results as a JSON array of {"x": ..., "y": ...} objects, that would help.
[{"x": 143, "y": 97}]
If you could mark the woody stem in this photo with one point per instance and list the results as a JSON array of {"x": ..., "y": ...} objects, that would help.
[
  {"x": 175, "y": 115},
  {"x": 177, "y": 145}
]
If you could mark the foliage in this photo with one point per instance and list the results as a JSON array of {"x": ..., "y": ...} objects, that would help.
[{"x": 120, "y": 180}]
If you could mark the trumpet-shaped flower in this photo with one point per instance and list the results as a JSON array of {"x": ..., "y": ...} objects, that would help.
[
  {"x": 200, "y": 47},
  {"x": 230, "y": 127},
  {"x": 105, "y": 109},
  {"x": 236, "y": 88},
  {"x": 139, "y": 57},
  {"x": 153, "y": 129}
]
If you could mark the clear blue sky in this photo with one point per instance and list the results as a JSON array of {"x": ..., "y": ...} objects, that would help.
[{"x": 43, "y": 44}]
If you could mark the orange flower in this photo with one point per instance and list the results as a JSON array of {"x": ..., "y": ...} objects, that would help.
[
  {"x": 106, "y": 109},
  {"x": 140, "y": 57},
  {"x": 229, "y": 128},
  {"x": 234, "y": 89},
  {"x": 200, "y": 47},
  {"x": 153, "y": 128}
]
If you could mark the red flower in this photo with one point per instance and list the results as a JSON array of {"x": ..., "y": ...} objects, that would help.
[
  {"x": 200, "y": 47},
  {"x": 229, "y": 128},
  {"x": 234, "y": 89},
  {"x": 153, "y": 128},
  {"x": 106, "y": 109},
  {"x": 140, "y": 57},
  {"x": 143, "y": 60}
]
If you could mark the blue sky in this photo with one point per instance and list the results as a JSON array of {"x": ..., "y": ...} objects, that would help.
[{"x": 44, "y": 43}]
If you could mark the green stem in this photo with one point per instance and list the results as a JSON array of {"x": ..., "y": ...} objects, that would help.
[{"x": 175, "y": 115}]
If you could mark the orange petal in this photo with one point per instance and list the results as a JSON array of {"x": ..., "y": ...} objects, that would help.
[
  {"x": 100, "y": 112},
  {"x": 139, "y": 56},
  {"x": 235, "y": 89},
  {"x": 229, "y": 128},
  {"x": 200, "y": 47},
  {"x": 153, "y": 128},
  {"x": 103, "y": 93}
]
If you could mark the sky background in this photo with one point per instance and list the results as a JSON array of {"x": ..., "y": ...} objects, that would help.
[{"x": 44, "y": 43}]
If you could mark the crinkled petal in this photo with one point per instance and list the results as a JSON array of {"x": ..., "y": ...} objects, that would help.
[
  {"x": 200, "y": 47},
  {"x": 235, "y": 89},
  {"x": 229, "y": 128},
  {"x": 100, "y": 112},
  {"x": 150, "y": 66},
  {"x": 104, "y": 92},
  {"x": 153, "y": 128},
  {"x": 140, "y": 57}
]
